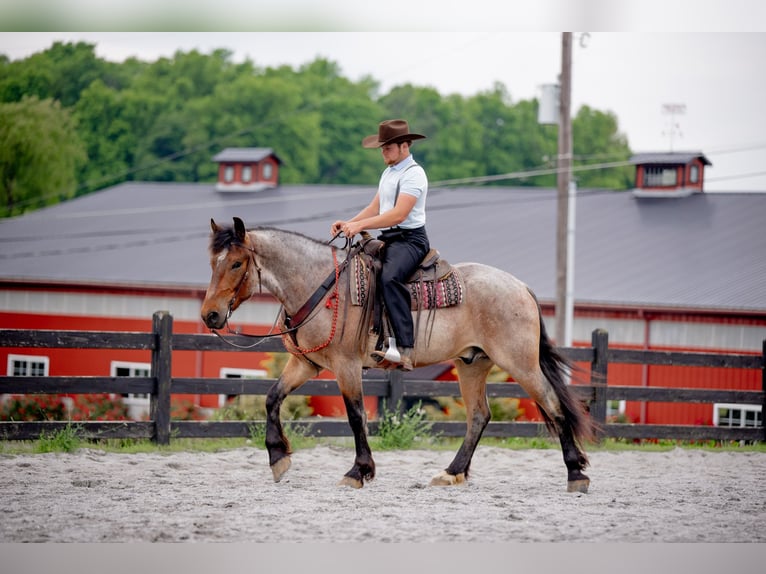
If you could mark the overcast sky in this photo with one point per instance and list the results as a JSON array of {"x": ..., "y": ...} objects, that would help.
[{"x": 717, "y": 77}]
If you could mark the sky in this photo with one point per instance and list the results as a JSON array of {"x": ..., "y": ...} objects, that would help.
[{"x": 716, "y": 77}]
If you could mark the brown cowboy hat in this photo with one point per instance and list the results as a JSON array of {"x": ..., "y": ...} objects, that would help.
[{"x": 390, "y": 131}]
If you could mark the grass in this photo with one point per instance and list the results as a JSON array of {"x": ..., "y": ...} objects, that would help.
[
  {"x": 401, "y": 430},
  {"x": 65, "y": 440},
  {"x": 396, "y": 432}
]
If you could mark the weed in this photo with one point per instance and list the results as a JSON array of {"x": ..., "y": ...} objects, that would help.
[
  {"x": 64, "y": 440},
  {"x": 397, "y": 430}
]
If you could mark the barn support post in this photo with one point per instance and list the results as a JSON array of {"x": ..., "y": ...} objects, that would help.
[
  {"x": 598, "y": 378},
  {"x": 159, "y": 405}
]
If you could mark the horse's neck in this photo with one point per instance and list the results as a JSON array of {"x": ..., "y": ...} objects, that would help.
[{"x": 292, "y": 266}]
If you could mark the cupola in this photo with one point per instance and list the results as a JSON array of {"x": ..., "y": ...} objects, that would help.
[
  {"x": 247, "y": 169},
  {"x": 669, "y": 174}
]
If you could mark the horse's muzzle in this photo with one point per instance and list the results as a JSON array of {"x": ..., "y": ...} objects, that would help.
[{"x": 214, "y": 320}]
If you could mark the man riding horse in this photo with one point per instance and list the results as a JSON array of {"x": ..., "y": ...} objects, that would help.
[{"x": 398, "y": 209}]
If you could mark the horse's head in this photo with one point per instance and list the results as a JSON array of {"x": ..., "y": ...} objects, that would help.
[{"x": 233, "y": 266}]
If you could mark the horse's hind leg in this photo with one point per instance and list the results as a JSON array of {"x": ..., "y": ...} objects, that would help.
[
  {"x": 473, "y": 385},
  {"x": 296, "y": 372},
  {"x": 560, "y": 420}
]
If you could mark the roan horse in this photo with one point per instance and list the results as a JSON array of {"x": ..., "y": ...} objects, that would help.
[{"x": 499, "y": 322}]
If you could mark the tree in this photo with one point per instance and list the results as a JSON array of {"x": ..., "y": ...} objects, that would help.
[
  {"x": 39, "y": 155},
  {"x": 60, "y": 73},
  {"x": 596, "y": 139}
]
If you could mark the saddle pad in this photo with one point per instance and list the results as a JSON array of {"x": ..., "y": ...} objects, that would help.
[{"x": 445, "y": 292}]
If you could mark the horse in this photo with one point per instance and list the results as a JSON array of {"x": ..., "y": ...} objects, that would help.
[{"x": 499, "y": 322}]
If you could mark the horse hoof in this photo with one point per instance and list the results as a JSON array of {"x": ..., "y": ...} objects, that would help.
[
  {"x": 578, "y": 486},
  {"x": 447, "y": 479},
  {"x": 352, "y": 482},
  {"x": 279, "y": 468}
]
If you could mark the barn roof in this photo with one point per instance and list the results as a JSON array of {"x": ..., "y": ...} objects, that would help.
[
  {"x": 671, "y": 157},
  {"x": 704, "y": 251},
  {"x": 235, "y": 154}
]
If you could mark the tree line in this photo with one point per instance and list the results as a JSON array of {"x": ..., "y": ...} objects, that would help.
[{"x": 72, "y": 123}]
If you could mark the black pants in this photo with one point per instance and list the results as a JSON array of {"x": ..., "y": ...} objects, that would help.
[{"x": 405, "y": 249}]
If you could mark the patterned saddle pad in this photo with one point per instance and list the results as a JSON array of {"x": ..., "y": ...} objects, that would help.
[{"x": 446, "y": 291}]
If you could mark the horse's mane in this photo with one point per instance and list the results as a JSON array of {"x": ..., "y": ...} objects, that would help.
[{"x": 226, "y": 237}]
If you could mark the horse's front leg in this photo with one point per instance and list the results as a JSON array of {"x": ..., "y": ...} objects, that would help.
[
  {"x": 350, "y": 383},
  {"x": 296, "y": 372}
]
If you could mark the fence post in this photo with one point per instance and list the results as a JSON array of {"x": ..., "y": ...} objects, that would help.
[
  {"x": 763, "y": 388},
  {"x": 159, "y": 405},
  {"x": 598, "y": 378},
  {"x": 393, "y": 402}
]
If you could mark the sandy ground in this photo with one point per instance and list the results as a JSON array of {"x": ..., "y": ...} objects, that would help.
[{"x": 511, "y": 496}]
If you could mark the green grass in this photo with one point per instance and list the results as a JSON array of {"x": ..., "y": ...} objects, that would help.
[
  {"x": 408, "y": 431},
  {"x": 65, "y": 440},
  {"x": 402, "y": 430}
]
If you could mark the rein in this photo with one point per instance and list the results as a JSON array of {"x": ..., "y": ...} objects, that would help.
[{"x": 303, "y": 315}]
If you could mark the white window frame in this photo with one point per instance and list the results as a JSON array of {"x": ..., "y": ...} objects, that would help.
[
  {"x": 43, "y": 359},
  {"x": 228, "y": 173},
  {"x": 613, "y": 412},
  {"x": 717, "y": 420},
  {"x": 247, "y": 173},
  {"x": 237, "y": 373},
  {"x": 138, "y": 404}
]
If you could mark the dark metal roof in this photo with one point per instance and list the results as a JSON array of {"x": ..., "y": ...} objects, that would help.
[
  {"x": 234, "y": 154},
  {"x": 672, "y": 157},
  {"x": 704, "y": 251}
]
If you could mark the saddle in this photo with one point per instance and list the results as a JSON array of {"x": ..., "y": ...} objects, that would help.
[{"x": 434, "y": 284}]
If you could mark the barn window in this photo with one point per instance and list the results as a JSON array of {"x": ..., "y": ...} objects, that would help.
[
  {"x": 738, "y": 416},
  {"x": 27, "y": 366},
  {"x": 233, "y": 373},
  {"x": 657, "y": 176},
  {"x": 694, "y": 174},
  {"x": 137, "y": 403},
  {"x": 228, "y": 173},
  {"x": 615, "y": 409},
  {"x": 267, "y": 170},
  {"x": 247, "y": 174}
]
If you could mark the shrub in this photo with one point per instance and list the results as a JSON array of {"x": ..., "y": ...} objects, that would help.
[
  {"x": 34, "y": 408},
  {"x": 90, "y": 407},
  {"x": 400, "y": 430},
  {"x": 253, "y": 407},
  {"x": 453, "y": 409},
  {"x": 184, "y": 410},
  {"x": 66, "y": 440},
  {"x": 98, "y": 407}
]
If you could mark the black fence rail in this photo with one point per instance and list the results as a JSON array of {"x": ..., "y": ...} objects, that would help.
[{"x": 392, "y": 389}]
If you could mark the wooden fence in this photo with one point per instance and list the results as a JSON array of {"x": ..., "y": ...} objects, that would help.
[{"x": 160, "y": 384}]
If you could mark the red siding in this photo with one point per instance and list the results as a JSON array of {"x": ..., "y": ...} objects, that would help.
[{"x": 209, "y": 364}]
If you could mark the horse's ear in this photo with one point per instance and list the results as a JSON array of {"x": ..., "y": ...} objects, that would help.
[
  {"x": 239, "y": 229},
  {"x": 213, "y": 226}
]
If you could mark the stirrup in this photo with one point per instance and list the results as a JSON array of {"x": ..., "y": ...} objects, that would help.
[{"x": 403, "y": 363}]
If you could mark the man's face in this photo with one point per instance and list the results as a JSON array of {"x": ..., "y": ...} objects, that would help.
[{"x": 394, "y": 153}]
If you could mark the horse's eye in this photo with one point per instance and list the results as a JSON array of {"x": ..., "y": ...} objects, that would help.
[{"x": 236, "y": 265}]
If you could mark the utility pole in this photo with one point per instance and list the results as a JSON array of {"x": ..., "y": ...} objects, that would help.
[{"x": 563, "y": 181}]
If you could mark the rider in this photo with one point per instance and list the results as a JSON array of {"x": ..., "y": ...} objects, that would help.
[{"x": 398, "y": 210}]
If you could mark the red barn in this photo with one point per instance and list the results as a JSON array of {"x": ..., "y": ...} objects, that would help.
[{"x": 660, "y": 267}]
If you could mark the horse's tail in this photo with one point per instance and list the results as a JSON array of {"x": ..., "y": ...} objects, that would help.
[{"x": 555, "y": 367}]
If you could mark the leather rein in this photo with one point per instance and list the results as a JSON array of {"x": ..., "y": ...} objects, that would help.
[{"x": 303, "y": 315}]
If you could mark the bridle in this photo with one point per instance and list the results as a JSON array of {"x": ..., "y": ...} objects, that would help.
[{"x": 302, "y": 316}]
